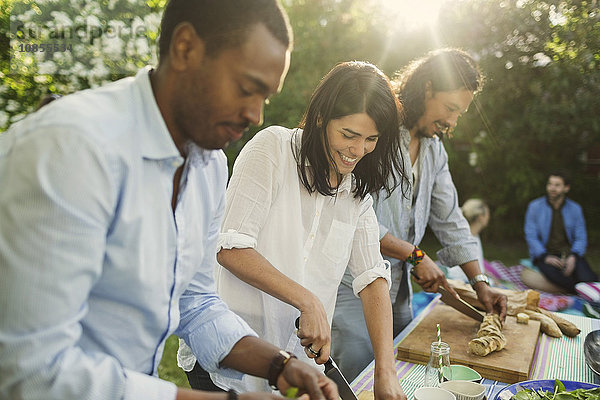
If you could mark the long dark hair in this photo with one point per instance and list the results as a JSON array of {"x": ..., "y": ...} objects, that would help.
[
  {"x": 352, "y": 88},
  {"x": 446, "y": 69}
]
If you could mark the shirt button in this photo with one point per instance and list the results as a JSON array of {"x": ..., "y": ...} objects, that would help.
[
  {"x": 305, "y": 258},
  {"x": 312, "y": 236},
  {"x": 317, "y": 213}
]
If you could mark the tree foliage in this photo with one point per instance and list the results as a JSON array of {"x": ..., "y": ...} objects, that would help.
[{"x": 537, "y": 111}]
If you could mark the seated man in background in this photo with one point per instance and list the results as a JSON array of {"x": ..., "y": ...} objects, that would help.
[{"x": 556, "y": 235}]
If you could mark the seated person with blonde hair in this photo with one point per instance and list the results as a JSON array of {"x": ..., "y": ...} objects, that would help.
[{"x": 477, "y": 214}]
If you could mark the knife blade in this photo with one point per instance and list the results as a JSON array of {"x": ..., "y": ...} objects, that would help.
[
  {"x": 460, "y": 305},
  {"x": 333, "y": 372}
]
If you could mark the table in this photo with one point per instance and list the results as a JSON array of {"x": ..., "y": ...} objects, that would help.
[{"x": 555, "y": 358}]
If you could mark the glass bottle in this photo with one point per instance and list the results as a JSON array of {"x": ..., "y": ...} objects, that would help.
[{"x": 438, "y": 366}]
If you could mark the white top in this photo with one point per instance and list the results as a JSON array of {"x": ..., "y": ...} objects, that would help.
[{"x": 310, "y": 238}]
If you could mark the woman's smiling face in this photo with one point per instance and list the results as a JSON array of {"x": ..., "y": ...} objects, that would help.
[{"x": 350, "y": 138}]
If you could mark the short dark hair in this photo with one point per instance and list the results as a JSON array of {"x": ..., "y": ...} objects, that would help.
[
  {"x": 223, "y": 24},
  {"x": 447, "y": 69},
  {"x": 351, "y": 88},
  {"x": 561, "y": 173}
]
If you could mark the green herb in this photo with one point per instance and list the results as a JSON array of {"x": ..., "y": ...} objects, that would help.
[{"x": 560, "y": 393}]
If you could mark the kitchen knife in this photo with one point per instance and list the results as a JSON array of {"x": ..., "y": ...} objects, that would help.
[
  {"x": 333, "y": 372},
  {"x": 460, "y": 305}
]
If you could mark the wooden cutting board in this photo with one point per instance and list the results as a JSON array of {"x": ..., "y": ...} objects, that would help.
[{"x": 509, "y": 365}]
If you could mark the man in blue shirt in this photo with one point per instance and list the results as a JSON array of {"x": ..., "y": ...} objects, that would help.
[
  {"x": 556, "y": 235},
  {"x": 110, "y": 208}
]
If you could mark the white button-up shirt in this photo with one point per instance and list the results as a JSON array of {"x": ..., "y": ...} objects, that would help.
[
  {"x": 96, "y": 271},
  {"x": 310, "y": 238}
]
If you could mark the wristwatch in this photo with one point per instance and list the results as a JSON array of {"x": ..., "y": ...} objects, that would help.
[
  {"x": 276, "y": 367},
  {"x": 479, "y": 278}
]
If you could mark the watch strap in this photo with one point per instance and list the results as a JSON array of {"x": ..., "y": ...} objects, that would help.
[
  {"x": 479, "y": 278},
  {"x": 277, "y": 365}
]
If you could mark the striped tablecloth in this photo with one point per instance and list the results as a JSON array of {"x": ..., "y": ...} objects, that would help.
[{"x": 554, "y": 358}]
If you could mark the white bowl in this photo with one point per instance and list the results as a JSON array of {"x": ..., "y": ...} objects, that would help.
[
  {"x": 433, "y": 393},
  {"x": 465, "y": 390}
]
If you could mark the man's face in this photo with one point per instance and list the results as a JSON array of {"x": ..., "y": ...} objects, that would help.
[
  {"x": 556, "y": 188},
  {"x": 442, "y": 110},
  {"x": 218, "y": 98}
]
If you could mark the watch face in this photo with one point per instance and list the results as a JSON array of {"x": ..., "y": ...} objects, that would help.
[{"x": 479, "y": 278}]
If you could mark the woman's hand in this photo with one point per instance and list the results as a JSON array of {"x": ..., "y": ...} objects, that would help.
[
  {"x": 387, "y": 386},
  {"x": 314, "y": 332}
]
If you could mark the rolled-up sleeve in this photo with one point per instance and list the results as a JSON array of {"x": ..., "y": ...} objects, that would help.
[
  {"x": 253, "y": 185},
  {"x": 366, "y": 263}
]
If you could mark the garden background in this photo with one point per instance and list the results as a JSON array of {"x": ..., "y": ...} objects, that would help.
[{"x": 539, "y": 110}]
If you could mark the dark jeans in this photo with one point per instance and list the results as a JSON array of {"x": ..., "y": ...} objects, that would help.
[
  {"x": 199, "y": 379},
  {"x": 582, "y": 273}
]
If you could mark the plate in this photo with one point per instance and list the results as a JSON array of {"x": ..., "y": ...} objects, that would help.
[
  {"x": 545, "y": 384},
  {"x": 591, "y": 351}
]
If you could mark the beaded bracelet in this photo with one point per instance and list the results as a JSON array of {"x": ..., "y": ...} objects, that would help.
[{"x": 416, "y": 256}]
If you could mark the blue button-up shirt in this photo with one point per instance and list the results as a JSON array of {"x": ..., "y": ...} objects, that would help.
[
  {"x": 96, "y": 270},
  {"x": 538, "y": 220}
]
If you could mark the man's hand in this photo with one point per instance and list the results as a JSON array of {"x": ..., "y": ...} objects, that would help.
[
  {"x": 555, "y": 261},
  {"x": 308, "y": 380},
  {"x": 430, "y": 277},
  {"x": 387, "y": 386},
  {"x": 493, "y": 301},
  {"x": 187, "y": 394},
  {"x": 569, "y": 265}
]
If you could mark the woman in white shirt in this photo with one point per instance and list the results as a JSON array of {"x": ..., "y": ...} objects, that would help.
[{"x": 299, "y": 211}]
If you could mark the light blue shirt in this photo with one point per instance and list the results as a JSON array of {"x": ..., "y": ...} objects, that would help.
[{"x": 96, "y": 271}]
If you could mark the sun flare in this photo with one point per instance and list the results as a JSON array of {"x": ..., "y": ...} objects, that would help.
[{"x": 414, "y": 13}]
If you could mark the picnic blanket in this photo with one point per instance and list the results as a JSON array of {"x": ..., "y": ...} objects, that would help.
[{"x": 510, "y": 278}]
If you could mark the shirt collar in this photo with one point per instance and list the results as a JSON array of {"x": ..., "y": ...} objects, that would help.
[
  {"x": 560, "y": 206},
  {"x": 405, "y": 137},
  {"x": 345, "y": 186},
  {"x": 198, "y": 155},
  {"x": 156, "y": 142}
]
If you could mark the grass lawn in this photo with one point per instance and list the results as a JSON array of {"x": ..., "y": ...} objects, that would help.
[{"x": 509, "y": 253}]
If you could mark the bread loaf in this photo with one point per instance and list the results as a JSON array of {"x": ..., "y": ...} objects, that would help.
[{"x": 489, "y": 336}]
